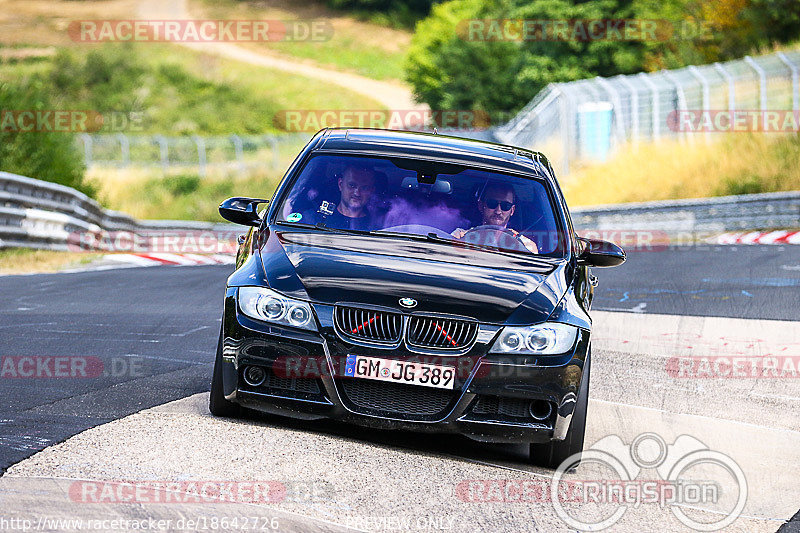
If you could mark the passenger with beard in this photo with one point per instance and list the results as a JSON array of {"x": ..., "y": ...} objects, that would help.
[{"x": 357, "y": 186}]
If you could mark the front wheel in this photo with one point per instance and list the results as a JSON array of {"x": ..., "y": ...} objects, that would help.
[
  {"x": 552, "y": 454},
  {"x": 217, "y": 403}
]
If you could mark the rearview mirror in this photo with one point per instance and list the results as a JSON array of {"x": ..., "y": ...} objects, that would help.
[
  {"x": 600, "y": 253},
  {"x": 241, "y": 210}
]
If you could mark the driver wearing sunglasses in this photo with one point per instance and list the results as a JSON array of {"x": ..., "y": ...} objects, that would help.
[{"x": 497, "y": 205}]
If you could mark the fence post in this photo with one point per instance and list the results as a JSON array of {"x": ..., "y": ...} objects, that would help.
[
  {"x": 762, "y": 77},
  {"x": 795, "y": 81},
  {"x": 163, "y": 151},
  {"x": 125, "y": 149},
  {"x": 634, "y": 107},
  {"x": 617, "y": 103},
  {"x": 239, "y": 151},
  {"x": 681, "y": 99},
  {"x": 563, "y": 114},
  {"x": 201, "y": 154},
  {"x": 655, "y": 127},
  {"x": 87, "y": 149},
  {"x": 731, "y": 88},
  {"x": 706, "y": 93},
  {"x": 274, "y": 142}
]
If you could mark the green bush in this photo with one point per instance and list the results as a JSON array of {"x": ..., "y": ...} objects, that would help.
[
  {"x": 165, "y": 97},
  {"x": 182, "y": 184},
  {"x": 402, "y": 13},
  {"x": 48, "y": 156}
]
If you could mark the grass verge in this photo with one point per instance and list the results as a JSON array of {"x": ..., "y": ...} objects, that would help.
[
  {"x": 29, "y": 261},
  {"x": 734, "y": 164}
]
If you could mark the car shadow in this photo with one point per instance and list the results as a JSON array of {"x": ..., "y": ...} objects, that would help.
[{"x": 453, "y": 446}]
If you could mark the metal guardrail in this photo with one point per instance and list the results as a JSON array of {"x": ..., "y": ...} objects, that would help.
[
  {"x": 778, "y": 210},
  {"x": 40, "y": 214}
]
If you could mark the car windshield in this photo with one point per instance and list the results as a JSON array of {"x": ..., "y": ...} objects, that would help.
[{"x": 437, "y": 201}]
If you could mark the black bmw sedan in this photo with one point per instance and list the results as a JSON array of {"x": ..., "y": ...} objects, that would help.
[{"x": 413, "y": 281}]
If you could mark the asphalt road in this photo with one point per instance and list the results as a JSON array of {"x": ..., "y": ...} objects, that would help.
[
  {"x": 142, "y": 336},
  {"x": 727, "y": 281},
  {"x": 147, "y": 335}
]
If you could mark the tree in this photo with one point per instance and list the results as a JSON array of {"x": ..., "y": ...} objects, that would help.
[
  {"x": 45, "y": 155},
  {"x": 450, "y": 66}
]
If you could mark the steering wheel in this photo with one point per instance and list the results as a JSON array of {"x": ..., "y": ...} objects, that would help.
[{"x": 495, "y": 236}]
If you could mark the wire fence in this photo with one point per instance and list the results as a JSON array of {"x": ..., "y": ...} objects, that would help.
[
  {"x": 574, "y": 121},
  {"x": 589, "y": 119},
  {"x": 242, "y": 153}
]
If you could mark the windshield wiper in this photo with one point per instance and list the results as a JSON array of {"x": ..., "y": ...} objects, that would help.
[
  {"x": 322, "y": 227},
  {"x": 416, "y": 236},
  {"x": 433, "y": 237}
]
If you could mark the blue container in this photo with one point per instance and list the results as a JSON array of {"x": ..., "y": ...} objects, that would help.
[{"x": 594, "y": 130}]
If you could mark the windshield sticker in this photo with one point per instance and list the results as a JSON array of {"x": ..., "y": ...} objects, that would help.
[
  {"x": 294, "y": 217},
  {"x": 326, "y": 208}
]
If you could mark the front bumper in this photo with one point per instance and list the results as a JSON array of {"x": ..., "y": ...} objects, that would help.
[{"x": 491, "y": 400}]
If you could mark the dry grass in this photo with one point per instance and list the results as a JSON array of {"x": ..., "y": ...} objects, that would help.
[
  {"x": 356, "y": 46},
  {"x": 734, "y": 164},
  {"x": 26, "y": 261},
  {"x": 45, "y": 22},
  {"x": 151, "y": 195}
]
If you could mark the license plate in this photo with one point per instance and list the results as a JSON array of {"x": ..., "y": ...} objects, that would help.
[{"x": 440, "y": 377}]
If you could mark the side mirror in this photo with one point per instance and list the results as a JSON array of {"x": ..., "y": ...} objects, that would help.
[
  {"x": 241, "y": 210},
  {"x": 600, "y": 253}
]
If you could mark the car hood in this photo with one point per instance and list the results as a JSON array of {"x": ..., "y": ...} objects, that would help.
[{"x": 491, "y": 287}]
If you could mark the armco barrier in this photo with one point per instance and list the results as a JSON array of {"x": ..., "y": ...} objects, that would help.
[
  {"x": 748, "y": 212},
  {"x": 40, "y": 214}
]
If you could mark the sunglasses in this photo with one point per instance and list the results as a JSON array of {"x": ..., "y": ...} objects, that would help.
[{"x": 491, "y": 203}]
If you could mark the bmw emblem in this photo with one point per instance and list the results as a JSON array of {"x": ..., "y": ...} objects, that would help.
[{"x": 408, "y": 303}]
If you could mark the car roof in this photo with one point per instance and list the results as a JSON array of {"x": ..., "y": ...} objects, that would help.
[{"x": 432, "y": 146}]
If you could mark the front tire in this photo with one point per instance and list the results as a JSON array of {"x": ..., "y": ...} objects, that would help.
[
  {"x": 217, "y": 403},
  {"x": 552, "y": 454}
]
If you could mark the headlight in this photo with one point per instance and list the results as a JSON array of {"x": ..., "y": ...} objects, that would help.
[
  {"x": 269, "y": 306},
  {"x": 549, "y": 338}
]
